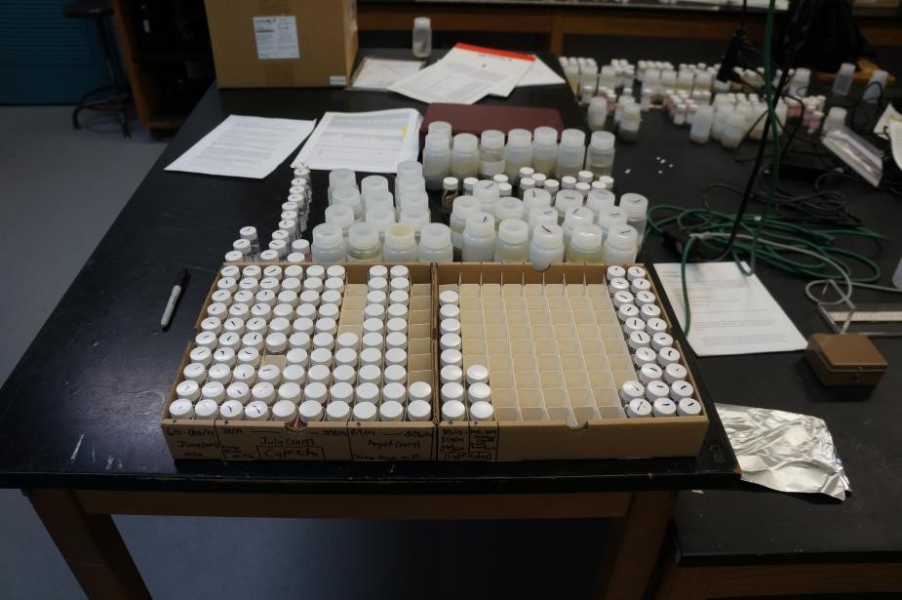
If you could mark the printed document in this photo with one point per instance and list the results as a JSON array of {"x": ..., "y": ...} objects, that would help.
[
  {"x": 540, "y": 74},
  {"x": 731, "y": 313},
  {"x": 250, "y": 147},
  {"x": 379, "y": 73},
  {"x": 370, "y": 142}
]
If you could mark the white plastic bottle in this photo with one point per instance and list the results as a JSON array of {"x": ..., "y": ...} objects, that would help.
[
  {"x": 435, "y": 243},
  {"x": 629, "y": 123},
  {"x": 422, "y": 37},
  {"x": 598, "y": 199},
  {"x": 585, "y": 245},
  {"x": 541, "y": 216},
  {"x": 479, "y": 238},
  {"x": 400, "y": 244},
  {"x": 571, "y": 155},
  {"x": 487, "y": 194},
  {"x": 328, "y": 244},
  {"x": 436, "y": 160},
  {"x": 702, "y": 124},
  {"x": 341, "y": 215},
  {"x": 574, "y": 218},
  {"x": 620, "y": 245},
  {"x": 517, "y": 153},
  {"x": 363, "y": 244},
  {"x": 465, "y": 156},
  {"x": 416, "y": 218},
  {"x": 380, "y": 218},
  {"x": 536, "y": 199},
  {"x": 610, "y": 217},
  {"x": 597, "y": 113},
  {"x": 491, "y": 153},
  {"x": 544, "y": 150},
  {"x": 566, "y": 200},
  {"x": 512, "y": 245},
  {"x": 340, "y": 178},
  {"x": 843, "y": 82},
  {"x": 510, "y": 208},
  {"x": 350, "y": 197},
  {"x": 636, "y": 208},
  {"x": 463, "y": 207},
  {"x": 600, "y": 154},
  {"x": 547, "y": 246}
]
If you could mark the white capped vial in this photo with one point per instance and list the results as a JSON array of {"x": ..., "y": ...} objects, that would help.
[
  {"x": 477, "y": 374},
  {"x": 249, "y": 356},
  {"x": 391, "y": 411},
  {"x": 319, "y": 374},
  {"x": 253, "y": 271},
  {"x": 316, "y": 271},
  {"x": 636, "y": 272},
  {"x": 667, "y": 356},
  {"x": 482, "y": 411},
  {"x": 202, "y": 355},
  {"x": 344, "y": 374},
  {"x": 244, "y": 374},
  {"x": 633, "y": 325},
  {"x": 267, "y": 297},
  {"x": 420, "y": 390},
  {"x": 348, "y": 340},
  {"x": 453, "y": 410},
  {"x": 638, "y": 409},
  {"x": 450, "y": 341},
  {"x": 374, "y": 311},
  {"x": 231, "y": 409},
  {"x": 336, "y": 271},
  {"x": 261, "y": 310},
  {"x": 399, "y": 271},
  {"x": 638, "y": 339},
  {"x": 419, "y": 410},
  {"x": 378, "y": 284},
  {"x": 644, "y": 356},
  {"x": 364, "y": 412},
  {"x": 644, "y": 298},
  {"x": 656, "y": 389},
  {"x": 211, "y": 325},
  {"x": 451, "y": 357},
  {"x": 227, "y": 283},
  {"x": 373, "y": 339},
  {"x": 631, "y": 390},
  {"x": 222, "y": 297},
  {"x": 377, "y": 271},
  {"x": 316, "y": 392},
  {"x": 650, "y": 372},
  {"x": 326, "y": 325},
  {"x": 181, "y": 409},
  {"x": 291, "y": 284},
  {"x": 371, "y": 356},
  {"x": 394, "y": 391},
  {"x": 213, "y": 390},
  {"x": 296, "y": 271},
  {"x": 312, "y": 284},
  {"x": 675, "y": 372},
  {"x": 479, "y": 392},
  {"x": 661, "y": 340},
  {"x": 396, "y": 356},
  {"x": 290, "y": 391},
  {"x": 615, "y": 272},
  {"x": 220, "y": 373},
  {"x": 452, "y": 392},
  {"x": 627, "y": 311},
  {"x": 235, "y": 324},
  {"x": 321, "y": 357},
  {"x": 271, "y": 284},
  {"x": 264, "y": 391},
  {"x": 396, "y": 325},
  {"x": 206, "y": 409},
  {"x": 689, "y": 407},
  {"x": 311, "y": 411},
  {"x": 377, "y": 298},
  {"x": 272, "y": 271},
  {"x": 451, "y": 374},
  {"x": 328, "y": 311},
  {"x": 447, "y": 326},
  {"x": 680, "y": 390},
  {"x": 399, "y": 297},
  {"x": 284, "y": 411},
  {"x": 622, "y": 298},
  {"x": 253, "y": 340},
  {"x": 400, "y": 284},
  {"x": 276, "y": 343},
  {"x": 370, "y": 374},
  {"x": 449, "y": 311},
  {"x": 346, "y": 356},
  {"x": 656, "y": 325},
  {"x": 310, "y": 297},
  {"x": 195, "y": 372},
  {"x": 298, "y": 356},
  {"x": 230, "y": 339},
  {"x": 396, "y": 311},
  {"x": 373, "y": 325},
  {"x": 664, "y": 407},
  {"x": 395, "y": 374},
  {"x": 238, "y": 391},
  {"x": 229, "y": 271},
  {"x": 396, "y": 339},
  {"x": 618, "y": 284},
  {"x": 448, "y": 297},
  {"x": 367, "y": 393},
  {"x": 256, "y": 411},
  {"x": 338, "y": 411},
  {"x": 341, "y": 392},
  {"x": 640, "y": 285},
  {"x": 331, "y": 297},
  {"x": 323, "y": 340}
]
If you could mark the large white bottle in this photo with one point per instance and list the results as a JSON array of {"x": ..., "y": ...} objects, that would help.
[
  {"x": 517, "y": 153},
  {"x": 463, "y": 207},
  {"x": 571, "y": 155},
  {"x": 436, "y": 159},
  {"x": 547, "y": 246},
  {"x": 465, "y": 156},
  {"x": 544, "y": 150},
  {"x": 491, "y": 153},
  {"x": 400, "y": 244},
  {"x": 585, "y": 245},
  {"x": 435, "y": 243},
  {"x": 328, "y": 245},
  {"x": 620, "y": 245},
  {"x": 512, "y": 245},
  {"x": 479, "y": 238}
]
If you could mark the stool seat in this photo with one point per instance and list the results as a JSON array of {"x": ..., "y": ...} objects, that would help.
[{"x": 88, "y": 9}]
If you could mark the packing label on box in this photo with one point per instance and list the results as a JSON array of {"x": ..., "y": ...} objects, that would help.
[{"x": 277, "y": 37}]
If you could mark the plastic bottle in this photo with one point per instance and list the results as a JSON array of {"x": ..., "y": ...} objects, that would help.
[
  {"x": 463, "y": 207},
  {"x": 565, "y": 200},
  {"x": 600, "y": 154},
  {"x": 733, "y": 130},
  {"x": 408, "y": 185},
  {"x": 380, "y": 218},
  {"x": 450, "y": 191},
  {"x": 422, "y": 37},
  {"x": 629, "y": 123},
  {"x": 571, "y": 155},
  {"x": 575, "y": 218},
  {"x": 798, "y": 85},
  {"x": 443, "y": 127},
  {"x": 597, "y": 113},
  {"x": 571, "y": 72},
  {"x": 598, "y": 199},
  {"x": 328, "y": 244},
  {"x": 487, "y": 194},
  {"x": 491, "y": 153},
  {"x": 372, "y": 186},
  {"x": 340, "y": 178},
  {"x": 479, "y": 238},
  {"x": 547, "y": 246},
  {"x": 541, "y": 216},
  {"x": 465, "y": 156},
  {"x": 400, "y": 244},
  {"x": 435, "y": 243},
  {"x": 843, "y": 82},
  {"x": 610, "y": 217},
  {"x": 620, "y": 245},
  {"x": 636, "y": 208},
  {"x": 536, "y": 199},
  {"x": 585, "y": 244},
  {"x": 544, "y": 150},
  {"x": 512, "y": 245},
  {"x": 363, "y": 244},
  {"x": 436, "y": 160},
  {"x": 376, "y": 199},
  {"x": 510, "y": 208},
  {"x": 350, "y": 197},
  {"x": 416, "y": 219},
  {"x": 409, "y": 168},
  {"x": 341, "y": 215},
  {"x": 517, "y": 153},
  {"x": 836, "y": 118},
  {"x": 701, "y": 124}
]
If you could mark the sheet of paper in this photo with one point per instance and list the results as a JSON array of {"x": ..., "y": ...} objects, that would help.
[
  {"x": 731, "y": 313},
  {"x": 241, "y": 146},
  {"x": 540, "y": 74},
  {"x": 466, "y": 75},
  {"x": 372, "y": 142},
  {"x": 379, "y": 73}
]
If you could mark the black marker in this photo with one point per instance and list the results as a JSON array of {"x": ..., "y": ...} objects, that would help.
[{"x": 177, "y": 290}]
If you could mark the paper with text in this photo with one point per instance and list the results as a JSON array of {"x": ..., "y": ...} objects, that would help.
[
  {"x": 276, "y": 37},
  {"x": 380, "y": 73},
  {"x": 241, "y": 146},
  {"x": 731, "y": 313},
  {"x": 369, "y": 142},
  {"x": 540, "y": 74}
]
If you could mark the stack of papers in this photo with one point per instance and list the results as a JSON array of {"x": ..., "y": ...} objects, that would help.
[{"x": 467, "y": 74}]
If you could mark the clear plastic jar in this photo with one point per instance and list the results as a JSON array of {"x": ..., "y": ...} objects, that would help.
[
  {"x": 491, "y": 153},
  {"x": 547, "y": 246},
  {"x": 380, "y": 218},
  {"x": 610, "y": 217},
  {"x": 421, "y": 44},
  {"x": 574, "y": 218},
  {"x": 585, "y": 244},
  {"x": 463, "y": 207},
  {"x": 487, "y": 194},
  {"x": 350, "y": 197},
  {"x": 517, "y": 153},
  {"x": 435, "y": 244},
  {"x": 400, "y": 244},
  {"x": 544, "y": 150},
  {"x": 363, "y": 244},
  {"x": 600, "y": 154},
  {"x": 571, "y": 154},
  {"x": 620, "y": 245},
  {"x": 479, "y": 238},
  {"x": 566, "y": 200},
  {"x": 465, "y": 156},
  {"x": 597, "y": 113},
  {"x": 436, "y": 159},
  {"x": 510, "y": 208},
  {"x": 328, "y": 244},
  {"x": 636, "y": 208},
  {"x": 512, "y": 245}
]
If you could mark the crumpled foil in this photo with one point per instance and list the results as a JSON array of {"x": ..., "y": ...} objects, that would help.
[{"x": 784, "y": 451}]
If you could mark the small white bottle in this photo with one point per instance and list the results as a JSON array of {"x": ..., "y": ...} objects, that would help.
[
  {"x": 702, "y": 123},
  {"x": 517, "y": 153},
  {"x": 435, "y": 244},
  {"x": 585, "y": 245},
  {"x": 544, "y": 150},
  {"x": 836, "y": 119},
  {"x": 620, "y": 245},
  {"x": 636, "y": 208},
  {"x": 512, "y": 245},
  {"x": 328, "y": 245},
  {"x": 479, "y": 238},
  {"x": 600, "y": 154},
  {"x": 629, "y": 123},
  {"x": 571, "y": 154},
  {"x": 547, "y": 246},
  {"x": 597, "y": 113},
  {"x": 422, "y": 37},
  {"x": 363, "y": 244},
  {"x": 491, "y": 153},
  {"x": 350, "y": 197},
  {"x": 465, "y": 156},
  {"x": 843, "y": 82},
  {"x": 436, "y": 160},
  {"x": 450, "y": 191},
  {"x": 400, "y": 244},
  {"x": 463, "y": 207}
]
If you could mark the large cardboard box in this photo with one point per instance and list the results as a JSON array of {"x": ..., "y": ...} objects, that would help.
[{"x": 283, "y": 43}]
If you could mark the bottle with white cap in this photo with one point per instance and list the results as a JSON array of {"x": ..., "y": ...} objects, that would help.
[
  {"x": 547, "y": 246},
  {"x": 621, "y": 245},
  {"x": 363, "y": 244},
  {"x": 249, "y": 233},
  {"x": 585, "y": 244},
  {"x": 600, "y": 154},
  {"x": 843, "y": 82},
  {"x": 463, "y": 207},
  {"x": 349, "y": 197},
  {"x": 479, "y": 238},
  {"x": 702, "y": 122},
  {"x": 450, "y": 191},
  {"x": 328, "y": 244},
  {"x": 836, "y": 118},
  {"x": 340, "y": 178},
  {"x": 512, "y": 244},
  {"x": 566, "y": 200},
  {"x": 536, "y": 199},
  {"x": 610, "y": 217},
  {"x": 436, "y": 159},
  {"x": 544, "y": 150},
  {"x": 419, "y": 410},
  {"x": 400, "y": 244},
  {"x": 629, "y": 123},
  {"x": 421, "y": 45},
  {"x": 453, "y": 410},
  {"x": 575, "y": 217},
  {"x": 571, "y": 154},
  {"x": 372, "y": 186},
  {"x": 598, "y": 199},
  {"x": 509, "y": 208},
  {"x": 465, "y": 156},
  {"x": 435, "y": 244},
  {"x": 597, "y": 113},
  {"x": 491, "y": 153},
  {"x": 636, "y": 208},
  {"x": 488, "y": 194},
  {"x": 517, "y": 153}
]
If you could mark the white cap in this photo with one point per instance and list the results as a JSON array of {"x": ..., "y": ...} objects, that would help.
[
  {"x": 451, "y": 357},
  {"x": 660, "y": 340},
  {"x": 316, "y": 392},
  {"x": 294, "y": 374},
  {"x": 448, "y": 297},
  {"x": 290, "y": 391},
  {"x": 396, "y": 356},
  {"x": 399, "y": 297},
  {"x": 246, "y": 374},
  {"x": 479, "y": 392},
  {"x": 367, "y": 392},
  {"x": 643, "y": 356},
  {"x": 372, "y": 340},
  {"x": 276, "y": 343},
  {"x": 675, "y": 372},
  {"x": 450, "y": 341},
  {"x": 453, "y": 410},
  {"x": 396, "y": 324},
  {"x": 482, "y": 411},
  {"x": 664, "y": 407},
  {"x": 371, "y": 356},
  {"x": 377, "y": 283},
  {"x": 622, "y": 298},
  {"x": 394, "y": 391},
  {"x": 206, "y": 409},
  {"x": 420, "y": 390},
  {"x": 396, "y": 339},
  {"x": 513, "y": 231},
  {"x": 181, "y": 409},
  {"x": 638, "y": 408},
  {"x": 656, "y": 389},
  {"x": 373, "y": 325},
  {"x": 231, "y": 409},
  {"x": 341, "y": 391},
  {"x": 656, "y": 325},
  {"x": 323, "y": 340},
  {"x": 447, "y": 326},
  {"x": 201, "y": 355},
  {"x": 644, "y": 297},
  {"x": 319, "y": 374},
  {"x": 632, "y": 389},
  {"x": 338, "y": 411},
  {"x": 284, "y": 411},
  {"x": 376, "y": 298},
  {"x": 344, "y": 374},
  {"x": 422, "y": 22},
  {"x": 213, "y": 390},
  {"x": 256, "y": 411},
  {"x": 649, "y": 311},
  {"x": 370, "y": 374},
  {"x": 650, "y": 372},
  {"x": 480, "y": 224},
  {"x": 477, "y": 374},
  {"x": 326, "y": 325},
  {"x": 548, "y": 236},
  {"x": 310, "y": 411},
  {"x": 689, "y": 407},
  {"x": 451, "y": 373},
  {"x": 395, "y": 374},
  {"x": 638, "y": 339},
  {"x": 391, "y": 411},
  {"x": 377, "y": 271},
  {"x": 195, "y": 372},
  {"x": 396, "y": 311},
  {"x": 668, "y": 355},
  {"x": 419, "y": 410},
  {"x": 346, "y": 356},
  {"x": 681, "y": 389},
  {"x": 220, "y": 373},
  {"x": 452, "y": 391},
  {"x": 365, "y": 411},
  {"x": 298, "y": 356}
]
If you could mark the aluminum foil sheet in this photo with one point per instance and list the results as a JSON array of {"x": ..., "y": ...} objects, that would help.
[{"x": 784, "y": 451}]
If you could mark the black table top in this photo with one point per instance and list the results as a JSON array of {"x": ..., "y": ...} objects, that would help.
[{"x": 82, "y": 408}]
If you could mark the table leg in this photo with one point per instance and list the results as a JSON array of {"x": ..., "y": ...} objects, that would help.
[
  {"x": 633, "y": 546},
  {"x": 90, "y": 544}
]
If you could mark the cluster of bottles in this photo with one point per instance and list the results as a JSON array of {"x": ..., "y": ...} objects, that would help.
[{"x": 286, "y": 243}]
